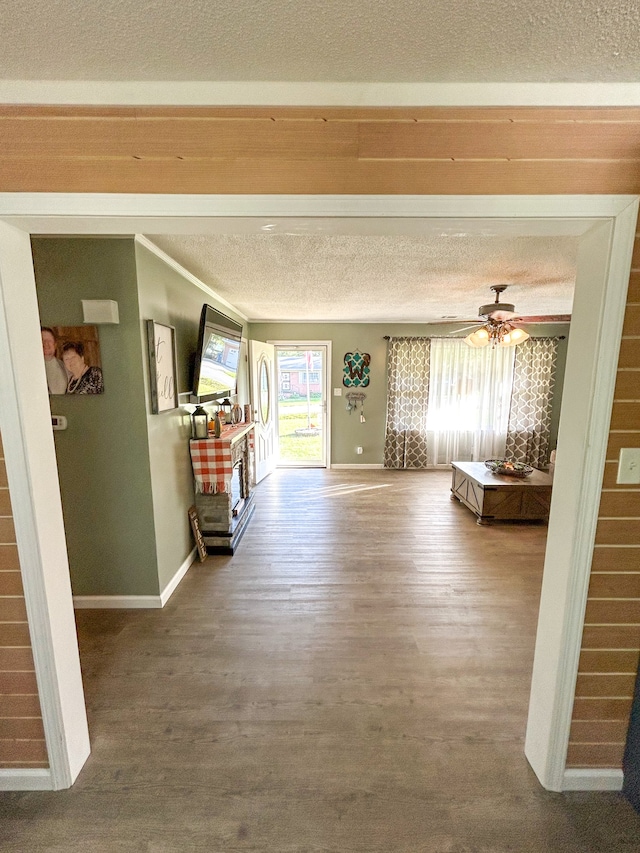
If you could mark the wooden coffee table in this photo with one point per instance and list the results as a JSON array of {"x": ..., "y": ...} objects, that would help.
[{"x": 496, "y": 497}]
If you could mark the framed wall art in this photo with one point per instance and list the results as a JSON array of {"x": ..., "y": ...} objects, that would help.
[
  {"x": 197, "y": 533},
  {"x": 72, "y": 359},
  {"x": 355, "y": 373},
  {"x": 161, "y": 340}
]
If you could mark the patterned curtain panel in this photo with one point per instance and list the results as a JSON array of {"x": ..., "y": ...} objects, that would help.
[
  {"x": 530, "y": 412},
  {"x": 405, "y": 443}
]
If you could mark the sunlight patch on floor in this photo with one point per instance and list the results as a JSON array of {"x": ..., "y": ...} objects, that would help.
[{"x": 344, "y": 489}]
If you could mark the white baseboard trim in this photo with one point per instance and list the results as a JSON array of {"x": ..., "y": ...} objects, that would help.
[
  {"x": 135, "y": 602},
  {"x": 170, "y": 588},
  {"x": 116, "y": 602},
  {"x": 26, "y": 780},
  {"x": 349, "y": 465},
  {"x": 593, "y": 779}
]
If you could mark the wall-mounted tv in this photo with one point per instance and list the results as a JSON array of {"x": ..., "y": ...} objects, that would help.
[{"x": 216, "y": 363}]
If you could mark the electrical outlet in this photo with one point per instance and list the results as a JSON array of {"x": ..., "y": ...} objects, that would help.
[
  {"x": 337, "y": 392},
  {"x": 358, "y": 450},
  {"x": 629, "y": 466}
]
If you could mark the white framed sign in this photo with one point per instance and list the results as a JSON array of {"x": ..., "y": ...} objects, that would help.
[{"x": 161, "y": 340}]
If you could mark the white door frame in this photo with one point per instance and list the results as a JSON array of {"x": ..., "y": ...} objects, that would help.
[
  {"x": 606, "y": 228},
  {"x": 25, "y": 418},
  {"x": 327, "y": 388}
]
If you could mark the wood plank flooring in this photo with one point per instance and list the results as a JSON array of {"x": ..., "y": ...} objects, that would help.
[{"x": 354, "y": 680}]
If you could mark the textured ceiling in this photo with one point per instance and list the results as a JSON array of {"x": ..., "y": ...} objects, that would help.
[
  {"x": 362, "y": 278},
  {"x": 334, "y": 40}
]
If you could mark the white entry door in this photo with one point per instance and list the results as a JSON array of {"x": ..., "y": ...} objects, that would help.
[
  {"x": 302, "y": 418},
  {"x": 263, "y": 385}
]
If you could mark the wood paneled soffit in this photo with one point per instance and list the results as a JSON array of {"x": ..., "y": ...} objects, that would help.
[
  {"x": 46, "y": 174},
  {"x": 325, "y": 113},
  {"x": 309, "y": 139},
  {"x": 320, "y": 150}
]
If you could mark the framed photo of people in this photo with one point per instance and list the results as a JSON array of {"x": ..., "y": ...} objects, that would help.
[
  {"x": 72, "y": 359},
  {"x": 161, "y": 341}
]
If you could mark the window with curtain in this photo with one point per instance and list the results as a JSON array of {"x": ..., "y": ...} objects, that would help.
[
  {"x": 468, "y": 402},
  {"x": 447, "y": 401}
]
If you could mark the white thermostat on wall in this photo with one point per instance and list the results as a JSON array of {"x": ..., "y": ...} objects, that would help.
[{"x": 58, "y": 422}]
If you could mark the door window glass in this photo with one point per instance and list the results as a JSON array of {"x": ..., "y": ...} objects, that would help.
[{"x": 265, "y": 392}]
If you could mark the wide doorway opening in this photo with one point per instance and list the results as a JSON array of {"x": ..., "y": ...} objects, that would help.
[{"x": 607, "y": 237}]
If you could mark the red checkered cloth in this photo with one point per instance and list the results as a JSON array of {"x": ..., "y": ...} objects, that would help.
[{"x": 211, "y": 460}]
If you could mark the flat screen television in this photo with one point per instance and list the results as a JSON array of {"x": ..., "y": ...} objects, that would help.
[{"x": 216, "y": 362}]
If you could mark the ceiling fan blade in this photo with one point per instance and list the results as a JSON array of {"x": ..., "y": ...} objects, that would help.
[
  {"x": 465, "y": 328},
  {"x": 451, "y": 321},
  {"x": 511, "y": 318},
  {"x": 545, "y": 318}
]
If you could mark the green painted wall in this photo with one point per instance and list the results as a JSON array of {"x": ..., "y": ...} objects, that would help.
[
  {"x": 103, "y": 457},
  {"x": 346, "y": 430},
  {"x": 168, "y": 297},
  {"x": 125, "y": 474}
]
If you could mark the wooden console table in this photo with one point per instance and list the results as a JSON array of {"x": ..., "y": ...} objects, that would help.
[
  {"x": 496, "y": 497},
  {"x": 223, "y": 471}
]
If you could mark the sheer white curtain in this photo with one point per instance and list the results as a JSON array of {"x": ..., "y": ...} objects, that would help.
[{"x": 469, "y": 399}]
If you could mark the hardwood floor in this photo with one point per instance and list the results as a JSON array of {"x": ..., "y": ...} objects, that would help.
[{"x": 354, "y": 680}]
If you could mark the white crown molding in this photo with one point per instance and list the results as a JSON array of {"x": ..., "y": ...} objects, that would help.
[
  {"x": 312, "y": 93},
  {"x": 163, "y": 256}
]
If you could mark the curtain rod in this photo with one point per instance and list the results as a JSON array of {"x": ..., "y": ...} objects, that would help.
[{"x": 453, "y": 337}]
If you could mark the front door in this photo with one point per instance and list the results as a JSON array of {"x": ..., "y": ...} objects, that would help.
[
  {"x": 302, "y": 404},
  {"x": 262, "y": 377}
]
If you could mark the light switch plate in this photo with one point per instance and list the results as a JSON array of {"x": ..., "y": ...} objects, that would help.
[
  {"x": 629, "y": 466},
  {"x": 337, "y": 392}
]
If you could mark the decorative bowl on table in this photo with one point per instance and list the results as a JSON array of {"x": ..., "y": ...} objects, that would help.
[{"x": 508, "y": 468}]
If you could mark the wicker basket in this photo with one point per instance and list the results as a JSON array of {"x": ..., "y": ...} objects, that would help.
[{"x": 508, "y": 468}]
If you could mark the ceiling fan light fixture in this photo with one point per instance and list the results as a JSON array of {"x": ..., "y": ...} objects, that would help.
[
  {"x": 517, "y": 336},
  {"x": 498, "y": 330},
  {"x": 479, "y": 338},
  {"x": 496, "y": 334}
]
